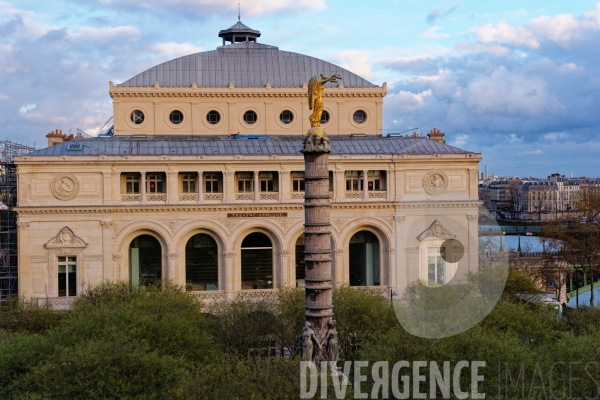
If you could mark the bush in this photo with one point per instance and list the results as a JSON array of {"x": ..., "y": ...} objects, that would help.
[
  {"x": 28, "y": 316},
  {"x": 167, "y": 318},
  {"x": 106, "y": 367}
]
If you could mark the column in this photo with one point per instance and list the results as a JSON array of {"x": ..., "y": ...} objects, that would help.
[
  {"x": 285, "y": 186},
  {"x": 143, "y": 187},
  {"x": 230, "y": 284},
  {"x": 172, "y": 187},
  {"x": 256, "y": 187},
  {"x": 108, "y": 272},
  {"x": 200, "y": 188},
  {"x": 365, "y": 185},
  {"x": 172, "y": 268},
  {"x": 284, "y": 271},
  {"x": 116, "y": 186},
  {"x": 228, "y": 186},
  {"x": 339, "y": 187}
]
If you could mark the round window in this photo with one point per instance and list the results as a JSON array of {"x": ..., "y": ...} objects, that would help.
[
  {"x": 325, "y": 117},
  {"x": 137, "y": 117},
  {"x": 250, "y": 117},
  {"x": 360, "y": 116},
  {"x": 286, "y": 117},
  {"x": 176, "y": 117},
  {"x": 213, "y": 117}
]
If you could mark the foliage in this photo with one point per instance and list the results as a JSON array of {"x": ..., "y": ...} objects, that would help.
[
  {"x": 360, "y": 315},
  {"x": 157, "y": 342},
  {"x": 28, "y": 316}
]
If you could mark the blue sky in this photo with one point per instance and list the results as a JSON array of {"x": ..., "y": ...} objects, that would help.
[{"x": 517, "y": 81}]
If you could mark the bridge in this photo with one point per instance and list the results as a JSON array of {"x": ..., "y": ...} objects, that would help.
[{"x": 511, "y": 230}]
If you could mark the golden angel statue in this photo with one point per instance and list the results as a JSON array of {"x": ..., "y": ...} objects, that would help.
[{"x": 315, "y": 96}]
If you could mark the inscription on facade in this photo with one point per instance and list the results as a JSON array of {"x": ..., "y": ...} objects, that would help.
[{"x": 256, "y": 215}]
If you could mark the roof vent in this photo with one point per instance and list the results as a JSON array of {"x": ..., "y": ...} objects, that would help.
[
  {"x": 74, "y": 146},
  {"x": 358, "y": 135}
]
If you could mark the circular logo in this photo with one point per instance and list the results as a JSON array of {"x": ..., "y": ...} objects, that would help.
[
  {"x": 435, "y": 183},
  {"x": 65, "y": 187}
]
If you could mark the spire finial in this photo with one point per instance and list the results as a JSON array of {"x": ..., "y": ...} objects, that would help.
[{"x": 239, "y": 11}]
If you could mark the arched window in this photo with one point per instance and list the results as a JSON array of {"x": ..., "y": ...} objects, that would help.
[
  {"x": 201, "y": 263},
  {"x": 257, "y": 262},
  {"x": 364, "y": 259},
  {"x": 145, "y": 261}
]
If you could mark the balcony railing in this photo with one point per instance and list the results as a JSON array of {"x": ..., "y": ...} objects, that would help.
[
  {"x": 379, "y": 194},
  {"x": 269, "y": 196},
  {"x": 297, "y": 195},
  {"x": 188, "y": 197},
  {"x": 156, "y": 197},
  {"x": 131, "y": 197},
  {"x": 354, "y": 194},
  {"x": 244, "y": 196},
  {"x": 213, "y": 196}
]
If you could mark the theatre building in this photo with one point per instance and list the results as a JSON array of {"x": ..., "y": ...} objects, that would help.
[{"x": 202, "y": 183}]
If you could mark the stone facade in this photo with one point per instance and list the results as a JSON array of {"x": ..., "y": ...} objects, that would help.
[{"x": 83, "y": 203}]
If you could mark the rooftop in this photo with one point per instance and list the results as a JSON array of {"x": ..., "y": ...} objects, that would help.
[{"x": 225, "y": 145}]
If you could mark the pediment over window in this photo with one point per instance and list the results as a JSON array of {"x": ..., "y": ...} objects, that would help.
[
  {"x": 436, "y": 231},
  {"x": 65, "y": 238}
]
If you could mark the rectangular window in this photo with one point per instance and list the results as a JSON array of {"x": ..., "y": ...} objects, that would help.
[
  {"x": 67, "y": 276},
  {"x": 155, "y": 182},
  {"x": 267, "y": 181},
  {"x": 188, "y": 182},
  {"x": 132, "y": 182},
  {"x": 212, "y": 182},
  {"x": 375, "y": 180},
  {"x": 244, "y": 180},
  {"x": 354, "y": 180},
  {"x": 436, "y": 265},
  {"x": 298, "y": 181}
]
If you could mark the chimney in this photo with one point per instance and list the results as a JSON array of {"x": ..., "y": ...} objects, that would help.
[
  {"x": 55, "y": 137},
  {"x": 436, "y": 135}
]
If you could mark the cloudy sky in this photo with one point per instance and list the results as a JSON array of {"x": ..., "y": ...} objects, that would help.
[{"x": 517, "y": 81}]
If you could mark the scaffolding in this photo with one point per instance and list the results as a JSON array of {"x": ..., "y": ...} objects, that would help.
[{"x": 8, "y": 218}]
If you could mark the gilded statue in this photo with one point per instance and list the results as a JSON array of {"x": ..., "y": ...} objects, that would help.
[{"x": 315, "y": 96}]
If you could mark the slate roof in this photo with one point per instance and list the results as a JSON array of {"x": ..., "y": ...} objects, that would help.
[
  {"x": 247, "y": 65},
  {"x": 223, "y": 145}
]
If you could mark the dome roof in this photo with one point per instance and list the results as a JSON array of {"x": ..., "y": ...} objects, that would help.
[{"x": 245, "y": 64}]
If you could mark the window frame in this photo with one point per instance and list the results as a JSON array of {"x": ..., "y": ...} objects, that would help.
[
  {"x": 298, "y": 182},
  {"x": 131, "y": 180},
  {"x": 188, "y": 182},
  {"x": 245, "y": 181},
  {"x": 159, "y": 179},
  {"x": 354, "y": 180},
  {"x": 66, "y": 263},
  {"x": 210, "y": 179}
]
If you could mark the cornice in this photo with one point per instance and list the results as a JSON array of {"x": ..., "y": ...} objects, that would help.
[
  {"x": 125, "y": 92},
  {"x": 125, "y": 209},
  {"x": 229, "y": 159}
]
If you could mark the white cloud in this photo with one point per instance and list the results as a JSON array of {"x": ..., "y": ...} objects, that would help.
[
  {"x": 107, "y": 33},
  {"x": 508, "y": 93},
  {"x": 432, "y": 33},
  {"x": 358, "y": 61},
  {"x": 506, "y": 34},
  {"x": 25, "y": 108},
  {"x": 176, "y": 49},
  {"x": 405, "y": 101}
]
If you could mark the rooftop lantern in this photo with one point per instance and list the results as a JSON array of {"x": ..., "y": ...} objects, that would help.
[{"x": 239, "y": 33}]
